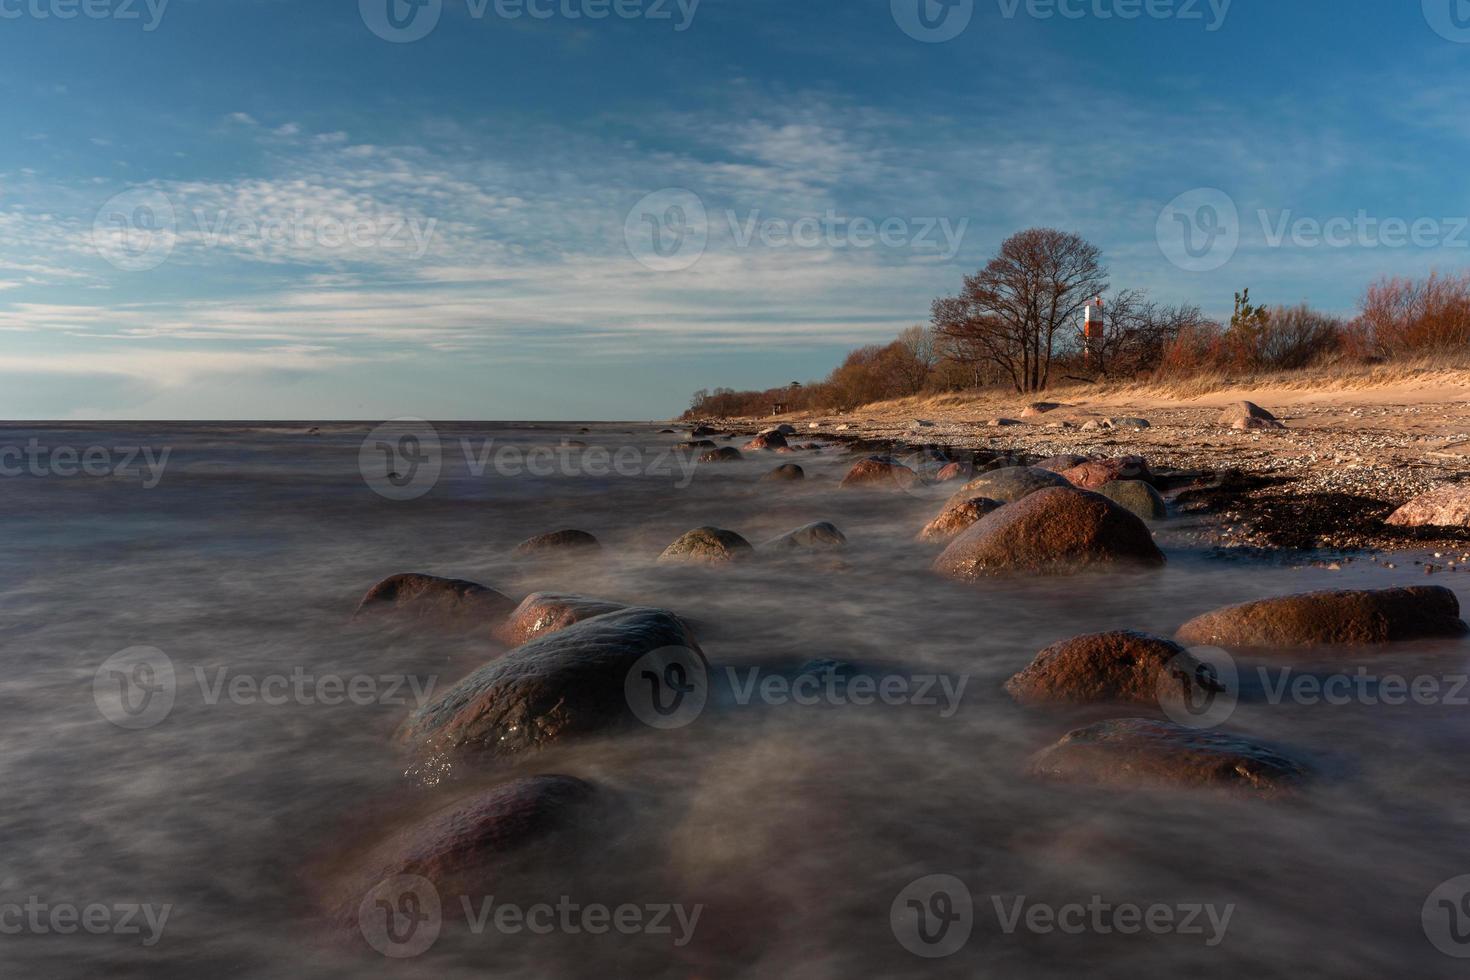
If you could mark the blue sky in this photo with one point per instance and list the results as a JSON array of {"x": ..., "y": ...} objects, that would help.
[{"x": 264, "y": 209}]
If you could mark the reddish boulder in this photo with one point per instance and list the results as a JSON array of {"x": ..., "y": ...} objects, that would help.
[
  {"x": 1056, "y": 531},
  {"x": 767, "y": 440},
  {"x": 707, "y": 544},
  {"x": 880, "y": 472},
  {"x": 785, "y": 472},
  {"x": 1097, "y": 472},
  {"x": 724, "y": 454},
  {"x": 448, "y": 601},
  {"x": 1248, "y": 415},
  {"x": 1011, "y": 483},
  {"x": 1121, "y": 666},
  {"x": 956, "y": 517},
  {"x": 1134, "y": 752},
  {"x": 547, "y": 612},
  {"x": 954, "y": 471},
  {"x": 1447, "y": 506},
  {"x": 556, "y": 542},
  {"x": 1062, "y": 463},
  {"x": 1340, "y": 616}
]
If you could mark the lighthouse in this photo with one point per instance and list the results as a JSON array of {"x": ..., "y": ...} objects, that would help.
[{"x": 1092, "y": 330}]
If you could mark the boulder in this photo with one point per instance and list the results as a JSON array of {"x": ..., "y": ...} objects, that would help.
[
  {"x": 1011, "y": 483},
  {"x": 1003, "y": 423},
  {"x": 1039, "y": 408},
  {"x": 956, "y": 517},
  {"x": 560, "y": 684},
  {"x": 557, "y": 542},
  {"x": 1128, "y": 422},
  {"x": 881, "y": 472},
  {"x": 547, "y": 612},
  {"x": 767, "y": 440},
  {"x": 1137, "y": 497},
  {"x": 818, "y": 536},
  {"x": 1096, "y": 425},
  {"x": 786, "y": 471},
  {"x": 1254, "y": 424},
  {"x": 1055, "y": 531},
  {"x": 1338, "y": 616},
  {"x": 725, "y": 454},
  {"x": 1094, "y": 473},
  {"x": 707, "y": 544},
  {"x": 786, "y": 429},
  {"x": 449, "y": 601},
  {"x": 696, "y": 444},
  {"x": 1447, "y": 506},
  {"x": 1133, "y": 752},
  {"x": 954, "y": 471},
  {"x": 459, "y": 848},
  {"x": 700, "y": 431},
  {"x": 1120, "y": 666},
  {"x": 1237, "y": 414},
  {"x": 1061, "y": 463}
]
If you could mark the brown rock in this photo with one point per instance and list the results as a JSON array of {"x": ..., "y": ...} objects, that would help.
[
  {"x": 1137, "y": 497},
  {"x": 1238, "y": 414},
  {"x": 1039, "y": 408},
  {"x": 556, "y": 542},
  {"x": 1011, "y": 483},
  {"x": 1253, "y": 424},
  {"x": 547, "y": 612},
  {"x": 786, "y": 471},
  {"x": 954, "y": 471},
  {"x": 700, "y": 431},
  {"x": 428, "y": 597},
  {"x": 1095, "y": 473},
  {"x": 696, "y": 444},
  {"x": 1056, "y": 531},
  {"x": 1338, "y": 616},
  {"x": 724, "y": 454},
  {"x": 1121, "y": 666},
  {"x": 767, "y": 440},
  {"x": 817, "y": 536},
  {"x": 707, "y": 544},
  {"x": 1447, "y": 506},
  {"x": 560, "y": 684},
  {"x": 880, "y": 472},
  {"x": 1062, "y": 463},
  {"x": 1139, "y": 752},
  {"x": 957, "y": 516}
]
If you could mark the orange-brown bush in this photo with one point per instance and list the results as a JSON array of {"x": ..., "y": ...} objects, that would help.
[{"x": 1404, "y": 316}]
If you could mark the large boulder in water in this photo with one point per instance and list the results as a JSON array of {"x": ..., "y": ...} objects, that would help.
[
  {"x": 1056, "y": 531},
  {"x": 784, "y": 473},
  {"x": 817, "y": 536},
  {"x": 547, "y": 612},
  {"x": 1447, "y": 506},
  {"x": 1097, "y": 472},
  {"x": 568, "y": 540},
  {"x": 445, "y": 601},
  {"x": 459, "y": 848},
  {"x": 707, "y": 544},
  {"x": 1137, "y": 497},
  {"x": 1339, "y": 616},
  {"x": 957, "y": 516},
  {"x": 1011, "y": 483},
  {"x": 1122, "y": 666},
  {"x": 566, "y": 683},
  {"x": 1133, "y": 752},
  {"x": 767, "y": 440},
  {"x": 880, "y": 472},
  {"x": 725, "y": 454}
]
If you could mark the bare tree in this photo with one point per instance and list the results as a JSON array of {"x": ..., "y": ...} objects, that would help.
[
  {"x": 1136, "y": 332},
  {"x": 1014, "y": 308}
]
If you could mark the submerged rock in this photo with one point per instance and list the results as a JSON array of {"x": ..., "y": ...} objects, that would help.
[
  {"x": 724, "y": 454},
  {"x": 1055, "y": 531},
  {"x": 1137, "y": 497},
  {"x": 700, "y": 431},
  {"x": 817, "y": 536},
  {"x": 1338, "y": 616},
  {"x": 1447, "y": 506},
  {"x": 570, "y": 682},
  {"x": 1011, "y": 483},
  {"x": 786, "y": 471},
  {"x": 706, "y": 544},
  {"x": 880, "y": 472},
  {"x": 1139, "y": 752},
  {"x": 1120, "y": 666},
  {"x": 429, "y": 597},
  {"x": 547, "y": 612},
  {"x": 1094, "y": 473},
  {"x": 957, "y": 515},
  {"x": 568, "y": 539}
]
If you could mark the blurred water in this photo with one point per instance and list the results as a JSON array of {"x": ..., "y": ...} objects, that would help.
[{"x": 795, "y": 827}]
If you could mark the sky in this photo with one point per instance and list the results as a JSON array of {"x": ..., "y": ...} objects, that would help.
[{"x": 588, "y": 209}]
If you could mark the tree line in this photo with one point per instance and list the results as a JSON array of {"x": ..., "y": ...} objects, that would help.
[{"x": 1017, "y": 323}]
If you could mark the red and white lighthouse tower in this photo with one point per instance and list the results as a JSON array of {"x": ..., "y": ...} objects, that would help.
[{"x": 1092, "y": 329}]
